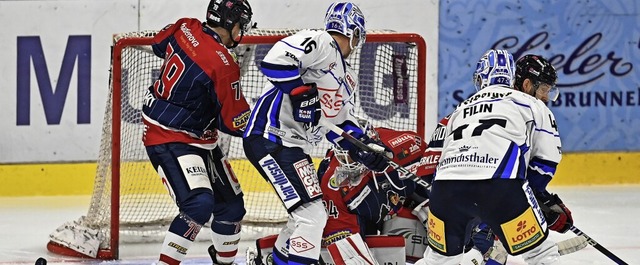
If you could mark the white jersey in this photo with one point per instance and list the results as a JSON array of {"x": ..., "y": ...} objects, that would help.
[
  {"x": 318, "y": 60},
  {"x": 500, "y": 132}
]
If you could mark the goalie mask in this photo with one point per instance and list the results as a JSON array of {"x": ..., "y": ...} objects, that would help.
[
  {"x": 347, "y": 19},
  {"x": 226, "y": 13},
  {"x": 541, "y": 73},
  {"x": 496, "y": 67},
  {"x": 349, "y": 173}
]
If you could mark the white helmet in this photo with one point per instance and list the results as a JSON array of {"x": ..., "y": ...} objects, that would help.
[
  {"x": 495, "y": 67},
  {"x": 346, "y": 19}
]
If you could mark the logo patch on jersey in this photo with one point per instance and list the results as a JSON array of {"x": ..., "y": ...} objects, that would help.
[
  {"x": 222, "y": 57},
  {"x": 275, "y": 131},
  {"x": 403, "y": 138},
  {"x": 280, "y": 183},
  {"x": 307, "y": 174},
  {"x": 352, "y": 85},
  {"x": 241, "y": 120},
  {"x": 331, "y": 101},
  {"x": 299, "y": 244},
  {"x": 333, "y": 183},
  {"x": 435, "y": 229},
  {"x": 522, "y": 232},
  {"x": 194, "y": 171}
]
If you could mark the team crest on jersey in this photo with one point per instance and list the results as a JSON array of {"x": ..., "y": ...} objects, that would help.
[
  {"x": 331, "y": 101},
  {"x": 234, "y": 56},
  {"x": 333, "y": 183}
]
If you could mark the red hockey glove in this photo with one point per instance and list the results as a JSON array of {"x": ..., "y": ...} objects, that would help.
[{"x": 557, "y": 214}]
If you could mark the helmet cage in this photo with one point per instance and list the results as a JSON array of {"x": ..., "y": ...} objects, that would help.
[
  {"x": 347, "y": 19},
  {"x": 348, "y": 173}
]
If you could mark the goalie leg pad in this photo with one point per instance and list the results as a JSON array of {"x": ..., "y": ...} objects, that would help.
[
  {"x": 351, "y": 251},
  {"x": 387, "y": 249},
  {"x": 74, "y": 237},
  {"x": 412, "y": 230}
]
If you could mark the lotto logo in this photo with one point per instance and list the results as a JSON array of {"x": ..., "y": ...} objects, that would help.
[{"x": 307, "y": 175}]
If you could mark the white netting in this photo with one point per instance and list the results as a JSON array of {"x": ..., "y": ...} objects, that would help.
[{"x": 387, "y": 97}]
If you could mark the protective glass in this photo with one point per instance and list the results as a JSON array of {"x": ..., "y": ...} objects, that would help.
[{"x": 552, "y": 92}]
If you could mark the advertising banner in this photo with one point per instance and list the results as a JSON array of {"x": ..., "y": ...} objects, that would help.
[{"x": 594, "y": 46}]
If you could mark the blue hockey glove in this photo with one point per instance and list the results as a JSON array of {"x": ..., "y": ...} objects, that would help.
[
  {"x": 306, "y": 105},
  {"x": 376, "y": 161}
]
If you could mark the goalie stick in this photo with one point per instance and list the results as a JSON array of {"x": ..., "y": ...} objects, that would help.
[
  {"x": 403, "y": 171},
  {"x": 597, "y": 246}
]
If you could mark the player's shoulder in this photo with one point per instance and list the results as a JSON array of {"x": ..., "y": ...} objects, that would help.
[{"x": 308, "y": 35}]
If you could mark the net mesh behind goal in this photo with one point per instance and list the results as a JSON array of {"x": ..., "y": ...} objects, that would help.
[{"x": 129, "y": 202}]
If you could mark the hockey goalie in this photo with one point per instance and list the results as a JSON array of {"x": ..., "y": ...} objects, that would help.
[{"x": 361, "y": 205}]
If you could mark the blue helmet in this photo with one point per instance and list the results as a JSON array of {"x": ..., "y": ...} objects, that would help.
[
  {"x": 496, "y": 67},
  {"x": 346, "y": 19}
]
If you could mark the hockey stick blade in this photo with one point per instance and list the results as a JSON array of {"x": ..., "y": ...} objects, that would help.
[
  {"x": 405, "y": 173},
  {"x": 597, "y": 246}
]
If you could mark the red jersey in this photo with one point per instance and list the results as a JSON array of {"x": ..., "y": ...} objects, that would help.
[
  {"x": 351, "y": 208},
  {"x": 198, "y": 91}
]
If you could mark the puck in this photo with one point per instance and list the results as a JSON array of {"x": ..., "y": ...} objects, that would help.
[{"x": 41, "y": 261}]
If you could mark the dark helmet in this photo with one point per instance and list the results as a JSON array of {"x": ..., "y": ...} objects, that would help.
[
  {"x": 536, "y": 68},
  {"x": 226, "y": 13}
]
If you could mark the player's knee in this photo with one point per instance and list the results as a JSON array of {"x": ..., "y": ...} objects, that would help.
[
  {"x": 545, "y": 253},
  {"x": 311, "y": 214},
  {"x": 199, "y": 207}
]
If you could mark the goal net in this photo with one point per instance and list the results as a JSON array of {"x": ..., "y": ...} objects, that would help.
[{"x": 129, "y": 202}]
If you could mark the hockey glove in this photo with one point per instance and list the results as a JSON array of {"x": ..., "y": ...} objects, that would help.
[
  {"x": 557, "y": 214},
  {"x": 306, "y": 105},
  {"x": 375, "y": 161}
]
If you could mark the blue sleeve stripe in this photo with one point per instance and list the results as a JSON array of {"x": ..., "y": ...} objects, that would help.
[
  {"x": 508, "y": 162},
  {"x": 544, "y": 165},
  {"x": 274, "y": 116},
  {"x": 276, "y": 71}
]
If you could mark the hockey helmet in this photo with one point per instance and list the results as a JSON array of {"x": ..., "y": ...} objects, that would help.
[
  {"x": 496, "y": 67},
  {"x": 539, "y": 71},
  {"x": 347, "y": 19},
  {"x": 226, "y": 13}
]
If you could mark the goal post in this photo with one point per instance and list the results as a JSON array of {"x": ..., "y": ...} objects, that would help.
[{"x": 129, "y": 202}]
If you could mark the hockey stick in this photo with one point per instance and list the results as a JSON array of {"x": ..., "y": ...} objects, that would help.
[
  {"x": 599, "y": 247},
  {"x": 362, "y": 146}
]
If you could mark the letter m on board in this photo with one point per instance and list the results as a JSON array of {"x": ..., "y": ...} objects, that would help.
[{"x": 53, "y": 100}]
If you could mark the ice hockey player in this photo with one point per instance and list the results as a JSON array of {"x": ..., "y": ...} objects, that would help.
[
  {"x": 500, "y": 142},
  {"x": 285, "y": 123},
  {"x": 198, "y": 93},
  {"x": 361, "y": 203}
]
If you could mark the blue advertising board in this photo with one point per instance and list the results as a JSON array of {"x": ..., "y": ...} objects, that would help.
[{"x": 594, "y": 46}]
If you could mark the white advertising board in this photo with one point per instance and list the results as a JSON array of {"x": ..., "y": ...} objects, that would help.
[{"x": 55, "y": 77}]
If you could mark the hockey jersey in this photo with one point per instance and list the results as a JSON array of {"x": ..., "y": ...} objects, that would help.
[
  {"x": 500, "y": 133},
  {"x": 309, "y": 56},
  {"x": 350, "y": 209},
  {"x": 198, "y": 91}
]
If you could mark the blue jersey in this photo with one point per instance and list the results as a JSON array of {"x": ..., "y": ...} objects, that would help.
[
  {"x": 198, "y": 91},
  {"x": 309, "y": 56}
]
